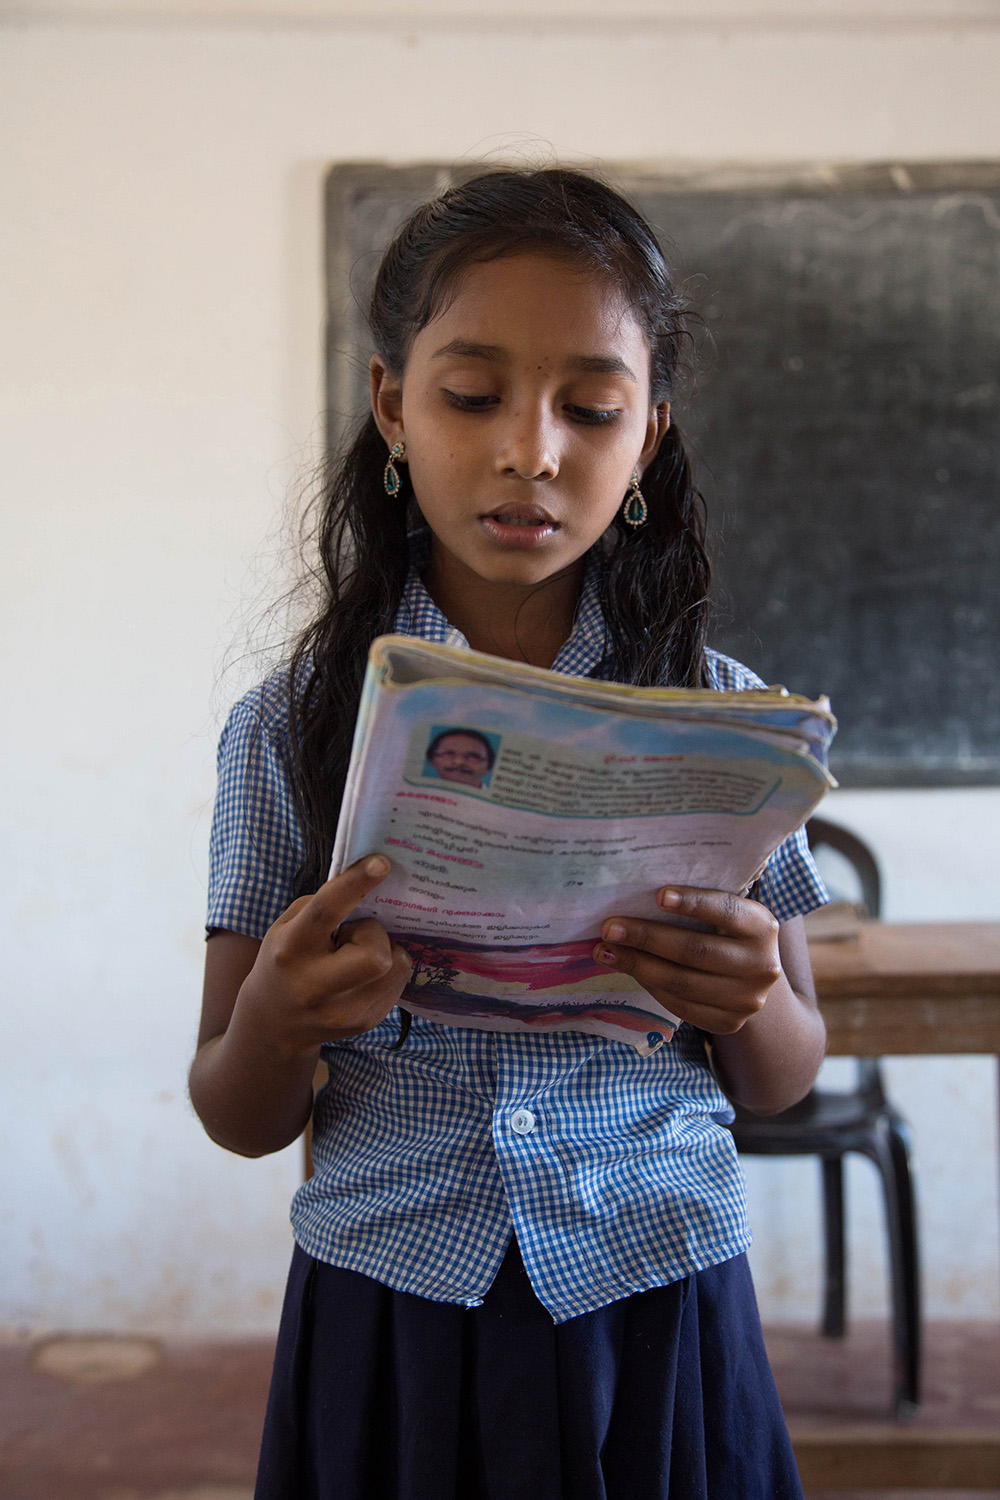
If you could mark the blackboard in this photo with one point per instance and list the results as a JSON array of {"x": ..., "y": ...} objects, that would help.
[{"x": 844, "y": 414}]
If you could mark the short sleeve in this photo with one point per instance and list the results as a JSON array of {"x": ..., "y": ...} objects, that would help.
[
  {"x": 790, "y": 885},
  {"x": 256, "y": 845}
]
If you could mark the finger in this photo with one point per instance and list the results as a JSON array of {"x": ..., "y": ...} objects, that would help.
[
  {"x": 401, "y": 957},
  {"x": 346, "y": 930},
  {"x": 731, "y": 915},
  {"x": 713, "y": 1002},
  {"x": 323, "y": 913},
  {"x": 692, "y": 948},
  {"x": 369, "y": 937},
  {"x": 376, "y": 982},
  {"x": 389, "y": 992},
  {"x": 364, "y": 956},
  {"x": 655, "y": 973}
]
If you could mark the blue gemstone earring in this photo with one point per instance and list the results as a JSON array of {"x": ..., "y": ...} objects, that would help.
[
  {"x": 392, "y": 479},
  {"x": 634, "y": 508}
]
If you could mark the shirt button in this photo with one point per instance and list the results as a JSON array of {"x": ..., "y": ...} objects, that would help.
[{"x": 523, "y": 1121}]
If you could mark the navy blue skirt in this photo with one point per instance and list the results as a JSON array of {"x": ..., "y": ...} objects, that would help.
[{"x": 381, "y": 1395}]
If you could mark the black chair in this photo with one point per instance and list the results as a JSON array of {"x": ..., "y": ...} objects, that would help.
[{"x": 829, "y": 1124}]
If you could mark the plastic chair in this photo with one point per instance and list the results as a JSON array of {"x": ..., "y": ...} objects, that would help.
[{"x": 829, "y": 1124}]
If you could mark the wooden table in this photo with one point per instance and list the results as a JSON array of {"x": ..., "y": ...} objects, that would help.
[
  {"x": 910, "y": 987},
  {"x": 903, "y": 988}
]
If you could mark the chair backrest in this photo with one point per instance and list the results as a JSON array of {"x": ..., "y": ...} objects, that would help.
[
  {"x": 819, "y": 832},
  {"x": 857, "y": 853}
]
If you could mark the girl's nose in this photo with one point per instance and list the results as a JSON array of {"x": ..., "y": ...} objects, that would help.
[{"x": 527, "y": 448}]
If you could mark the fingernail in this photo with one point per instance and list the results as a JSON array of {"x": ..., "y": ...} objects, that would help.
[
  {"x": 615, "y": 932},
  {"x": 668, "y": 898},
  {"x": 604, "y": 956},
  {"x": 376, "y": 864}
]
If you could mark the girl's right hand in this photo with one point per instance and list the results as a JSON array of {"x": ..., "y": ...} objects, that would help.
[{"x": 318, "y": 978}]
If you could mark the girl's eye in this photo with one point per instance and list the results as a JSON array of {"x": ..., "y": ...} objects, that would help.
[
  {"x": 594, "y": 416},
  {"x": 589, "y": 416},
  {"x": 469, "y": 403}
]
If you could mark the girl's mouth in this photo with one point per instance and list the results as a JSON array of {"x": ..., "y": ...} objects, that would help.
[{"x": 516, "y": 525}]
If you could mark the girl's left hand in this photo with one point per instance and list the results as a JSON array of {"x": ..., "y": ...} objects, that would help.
[{"x": 716, "y": 979}]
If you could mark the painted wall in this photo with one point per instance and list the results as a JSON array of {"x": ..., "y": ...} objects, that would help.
[{"x": 161, "y": 305}]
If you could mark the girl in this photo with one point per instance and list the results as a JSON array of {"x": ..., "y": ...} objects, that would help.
[{"x": 519, "y": 1269}]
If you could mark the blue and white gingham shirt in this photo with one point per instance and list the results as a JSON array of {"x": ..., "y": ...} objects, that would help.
[{"x": 611, "y": 1168}]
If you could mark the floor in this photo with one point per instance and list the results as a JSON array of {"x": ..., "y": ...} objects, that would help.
[
  {"x": 836, "y": 1400},
  {"x": 130, "y": 1419}
]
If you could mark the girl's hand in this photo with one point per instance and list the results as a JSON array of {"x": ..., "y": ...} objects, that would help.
[
  {"x": 717, "y": 980},
  {"x": 269, "y": 1006},
  {"x": 317, "y": 978}
]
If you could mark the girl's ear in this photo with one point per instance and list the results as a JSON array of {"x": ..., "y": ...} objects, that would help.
[
  {"x": 656, "y": 431},
  {"x": 387, "y": 401}
]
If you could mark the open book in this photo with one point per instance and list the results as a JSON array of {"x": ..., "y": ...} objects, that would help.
[{"x": 521, "y": 808}]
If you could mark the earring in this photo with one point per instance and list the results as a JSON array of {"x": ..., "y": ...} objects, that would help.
[
  {"x": 392, "y": 479},
  {"x": 634, "y": 507}
]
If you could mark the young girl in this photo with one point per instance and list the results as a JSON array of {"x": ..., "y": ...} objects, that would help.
[{"x": 519, "y": 1268}]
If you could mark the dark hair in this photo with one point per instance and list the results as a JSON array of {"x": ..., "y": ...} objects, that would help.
[
  {"x": 653, "y": 581},
  {"x": 472, "y": 734}
]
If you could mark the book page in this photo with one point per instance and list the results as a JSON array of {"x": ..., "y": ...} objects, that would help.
[{"x": 518, "y": 822}]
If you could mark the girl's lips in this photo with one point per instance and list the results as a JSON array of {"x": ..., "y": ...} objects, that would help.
[{"x": 519, "y": 525}]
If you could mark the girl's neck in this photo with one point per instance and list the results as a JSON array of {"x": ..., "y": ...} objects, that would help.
[{"x": 527, "y": 623}]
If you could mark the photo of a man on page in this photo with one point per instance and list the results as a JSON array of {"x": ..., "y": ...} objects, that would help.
[{"x": 465, "y": 756}]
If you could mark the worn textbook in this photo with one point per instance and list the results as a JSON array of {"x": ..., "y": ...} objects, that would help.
[{"x": 521, "y": 808}]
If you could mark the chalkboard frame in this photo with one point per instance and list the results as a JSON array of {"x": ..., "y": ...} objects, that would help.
[{"x": 353, "y": 188}]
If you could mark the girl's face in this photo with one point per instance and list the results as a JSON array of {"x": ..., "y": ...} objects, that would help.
[{"x": 524, "y": 407}]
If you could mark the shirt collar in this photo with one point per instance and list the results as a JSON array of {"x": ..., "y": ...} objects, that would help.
[{"x": 418, "y": 615}]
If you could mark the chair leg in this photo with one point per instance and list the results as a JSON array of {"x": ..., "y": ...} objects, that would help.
[
  {"x": 835, "y": 1291},
  {"x": 893, "y": 1161}
]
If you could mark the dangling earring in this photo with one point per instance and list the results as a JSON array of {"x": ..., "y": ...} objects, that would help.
[
  {"x": 392, "y": 479},
  {"x": 634, "y": 507}
]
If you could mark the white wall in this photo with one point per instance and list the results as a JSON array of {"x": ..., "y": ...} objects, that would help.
[{"x": 161, "y": 305}]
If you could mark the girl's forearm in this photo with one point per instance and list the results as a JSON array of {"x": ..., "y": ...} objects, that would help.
[
  {"x": 770, "y": 1063},
  {"x": 249, "y": 1099}
]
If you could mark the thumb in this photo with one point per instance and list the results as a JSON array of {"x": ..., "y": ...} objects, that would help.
[{"x": 323, "y": 913}]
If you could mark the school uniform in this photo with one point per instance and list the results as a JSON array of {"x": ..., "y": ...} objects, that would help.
[{"x": 519, "y": 1268}]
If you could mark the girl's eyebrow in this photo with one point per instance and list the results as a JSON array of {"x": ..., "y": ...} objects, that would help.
[
  {"x": 601, "y": 364},
  {"x": 466, "y": 349},
  {"x": 587, "y": 364}
]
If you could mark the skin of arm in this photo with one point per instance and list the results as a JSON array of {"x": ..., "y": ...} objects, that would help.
[
  {"x": 269, "y": 1005},
  {"x": 746, "y": 980}
]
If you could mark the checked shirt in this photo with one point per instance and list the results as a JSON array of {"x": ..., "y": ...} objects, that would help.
[{"x": 612, "y": 1169}]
